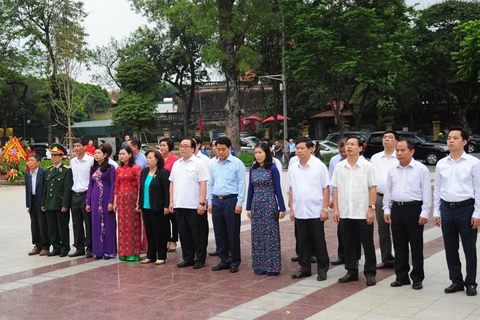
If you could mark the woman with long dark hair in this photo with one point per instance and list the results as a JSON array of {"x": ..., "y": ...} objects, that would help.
[
  {"x": 100, "y": 204},
  {"x": 154, "y": 200},
  {"x": 127, "y": 188},
  {"x": 265, "y": 206}
]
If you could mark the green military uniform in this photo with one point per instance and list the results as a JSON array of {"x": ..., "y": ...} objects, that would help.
[{"x": 57, "y": 195}]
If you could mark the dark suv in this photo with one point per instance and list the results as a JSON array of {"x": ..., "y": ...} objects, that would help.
[
  {"x": 335, "y": 136},
  {"x": 427, "y": 151}
]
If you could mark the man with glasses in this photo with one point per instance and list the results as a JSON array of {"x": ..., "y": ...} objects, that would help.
[
  {"x": 56, "y": 202},
  {"x": 188, "y": 192}
]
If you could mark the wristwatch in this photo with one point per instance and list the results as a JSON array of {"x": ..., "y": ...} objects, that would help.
[
  {"x": 202, "y": 203},
  {"x": 372, "y": 206}
]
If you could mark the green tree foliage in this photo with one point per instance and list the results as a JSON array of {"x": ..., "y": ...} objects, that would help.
[
  {"x": 435, "y": 74},
  {"x": 140, "y": 85},
  {"x": 468, "y": 57},
  {"x": 174, "y": 45},
  {"x": 345, "y": 49},
  {"x": 52, "y": 31}
]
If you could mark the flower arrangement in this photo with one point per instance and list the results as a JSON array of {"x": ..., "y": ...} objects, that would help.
[{"x": 14, "y": 160}]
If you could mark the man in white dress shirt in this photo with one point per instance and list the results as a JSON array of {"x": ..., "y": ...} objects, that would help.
[
  {"x": 457, "y": 209},
  {"x": 406, "y": 204},
  {"x": 382, "y": 162},
  {"x": 308, "y": 185},
  {"x": 188, "y": 193},
  {"x": 81, "y": 219},
  {"x": 354, "y": 197}
]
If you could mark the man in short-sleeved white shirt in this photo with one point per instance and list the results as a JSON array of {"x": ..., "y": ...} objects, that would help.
[
  {"x": 188, "y": 191},
  {"x": 354, "y": 197},
  {"x": 308, "y": 185}
]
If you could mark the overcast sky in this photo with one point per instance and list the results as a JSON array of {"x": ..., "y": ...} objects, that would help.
[{"x": 115, "y": 18}]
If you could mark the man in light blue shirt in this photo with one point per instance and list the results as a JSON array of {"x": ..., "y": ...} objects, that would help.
[
  {"x": 136, "y": 146},
  {"x": 226, "y": 192}
]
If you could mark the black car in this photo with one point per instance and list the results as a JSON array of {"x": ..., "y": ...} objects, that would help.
[
  {"x": 472, "y": 146},
  {"x": 335, "y": 136},
  {"x": 427, "y": 151},
  {"x": 40, "y": 148}
]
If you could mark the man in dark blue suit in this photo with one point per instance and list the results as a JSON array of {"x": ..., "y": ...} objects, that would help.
[{"x": 34, "y": 188}]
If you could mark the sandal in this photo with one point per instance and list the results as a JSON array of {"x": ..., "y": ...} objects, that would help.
[{"x": 174, "y": 248}]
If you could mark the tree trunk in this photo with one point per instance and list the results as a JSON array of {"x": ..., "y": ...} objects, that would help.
[{"x": 232, "y": 107}]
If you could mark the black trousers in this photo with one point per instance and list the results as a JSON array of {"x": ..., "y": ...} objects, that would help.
[
  {"x": 297, "y": 249},
  {"x": 157, "y": 229},
  {"x": 384, "y": 237},
  {"x": 341, "y": 251},
  {"x": 226, "y": 225},
  {"x": 191, "y": 227},
  {"x": 58, "y": 231},
  {"x": 82, "y": 236},
  {"x": 457, "y": 222},
  {"x": 38, "y": 226},
  {"x": 354, "y": 230},
  {"x": 172, "y": 227},
  {"x": 311, "y": 234},
  {"x": 406, "y": 231}
]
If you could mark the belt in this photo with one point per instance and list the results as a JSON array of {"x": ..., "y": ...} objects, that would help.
[
  {"x": 228, "y": 196},
  {"x": 379, "y": 194},
  {"x": 80, "y": 193},
  {"x": 453, "y": 205},
  {"x": 407, "y": 203}
]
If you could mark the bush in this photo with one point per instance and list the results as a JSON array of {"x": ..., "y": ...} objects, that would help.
[
  {"x": 326, "y": 157},
  {"x": 246, "y": 158}
]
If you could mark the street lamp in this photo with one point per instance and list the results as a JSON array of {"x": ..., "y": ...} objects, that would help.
[{"x": 283, "y": 88}]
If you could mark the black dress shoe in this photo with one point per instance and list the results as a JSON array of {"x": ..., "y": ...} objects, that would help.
[
  {"x": 322, "y": 276},
  {"x": 313, "y": 259},
  {"x": 213, "y": 254},
  {"x": 301, "y": 274},
  {"x": 198, "y": 265},
  {"x": 233, "y": 269},
  {"x": 454, "y": 287},
  {"x": 77, "y": 253},
  {"x": 184, "y": 264},
  {"x": 397, "y": 283},
  {"x": 63, "y": 254},
  {"x": 471, "y": 290},
  {"x": 417, "y": 286},
  {"x": 89, "y": 254},
  {"x": 106, "y": 258},
  {"x": 97, "y": 257},
  {"x": 53, "y": 253},
  {"x": 385, "y": 266},
  {"x": 348, "y": 278},
  {"x": 221, "y": 266},
  {"x": 338, "y": 262},
  {"x": 294, "y": 259},
  {"x": 371, "y": 281}
]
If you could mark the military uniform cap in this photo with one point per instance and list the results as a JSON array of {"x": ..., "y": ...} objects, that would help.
[{"x": 57, "y": 148}]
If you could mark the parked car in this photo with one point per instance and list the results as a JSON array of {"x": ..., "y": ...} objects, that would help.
[
  {"x": 247, "y": 144},
  {"x": 425, "y": 150},
  {"x": 40, "y": 148},
  {"x": 472, "y": 146},
  {"x": 327, "y": 146},
  {"x": 335, "y": 136}
]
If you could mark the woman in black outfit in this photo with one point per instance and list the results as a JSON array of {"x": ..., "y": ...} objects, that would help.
[{"x": 154, "y": 200}]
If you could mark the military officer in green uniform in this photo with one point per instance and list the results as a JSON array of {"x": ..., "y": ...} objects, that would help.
[{"x": 56, "y": 201}]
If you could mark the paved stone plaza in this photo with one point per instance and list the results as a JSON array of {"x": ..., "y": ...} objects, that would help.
[{"x": 34, "y": 287}]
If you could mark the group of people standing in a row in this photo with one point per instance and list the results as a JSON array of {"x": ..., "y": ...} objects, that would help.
[
  {"x": 397, "y": 190},
  {"x": 177, "y": 192}
]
